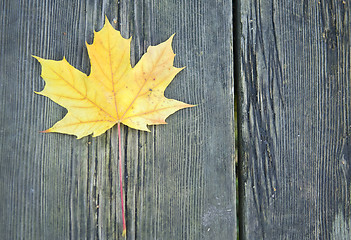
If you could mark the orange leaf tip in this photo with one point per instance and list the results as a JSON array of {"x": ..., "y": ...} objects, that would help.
[{"x": 46, "y": 131}]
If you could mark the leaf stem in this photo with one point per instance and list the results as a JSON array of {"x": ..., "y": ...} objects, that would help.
[{"x": 120, "y": 178}]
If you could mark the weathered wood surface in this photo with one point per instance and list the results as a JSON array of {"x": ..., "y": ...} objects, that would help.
[
  {"x": 180, "y": 177},
  {"x": 295, "y": 120}
]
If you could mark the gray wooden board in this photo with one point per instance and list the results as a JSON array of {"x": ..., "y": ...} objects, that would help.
[
  {"x": 179, "y": 179},
  {"x": 295, "y": 120}
]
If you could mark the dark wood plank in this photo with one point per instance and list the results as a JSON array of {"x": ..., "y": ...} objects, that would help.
[
  {"x": 295, "y": 120},
  {"x": 180, "y": 177},
  {"x": 184, "y": 190}
]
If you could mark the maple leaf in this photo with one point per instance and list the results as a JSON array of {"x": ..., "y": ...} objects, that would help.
[{"x": 114, "y": 92}]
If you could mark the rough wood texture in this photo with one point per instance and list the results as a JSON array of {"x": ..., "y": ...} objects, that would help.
[
  {"x": 180, "y": 177},
  {"x": 295, "y": 120}
]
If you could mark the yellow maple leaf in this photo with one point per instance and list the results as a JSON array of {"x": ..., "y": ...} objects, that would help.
[{"x": 114, "y": 92}]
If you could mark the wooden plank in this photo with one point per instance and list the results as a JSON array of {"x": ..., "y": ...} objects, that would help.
[
  {"x": 295, "y": 120},
  {"x": 175, "y": 189},
  {"x": 180, "y": 177}
]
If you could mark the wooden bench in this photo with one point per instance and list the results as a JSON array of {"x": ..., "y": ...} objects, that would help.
[{"x": 289, "y": 62}]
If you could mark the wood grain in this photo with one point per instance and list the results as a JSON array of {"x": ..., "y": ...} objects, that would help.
[
  {"x": 295, "y": 120},
  {"x": 180, "y": 181}
]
